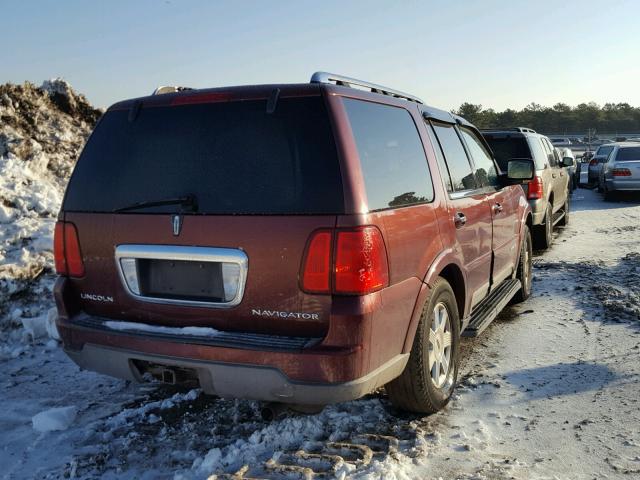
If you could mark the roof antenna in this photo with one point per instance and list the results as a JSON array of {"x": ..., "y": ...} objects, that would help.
[
  {"x": 134, "y": 110},
  {"x": 273, "y": 100}
]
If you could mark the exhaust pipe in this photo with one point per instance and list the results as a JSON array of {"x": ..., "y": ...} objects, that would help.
[{"x": 273, "y": 411}]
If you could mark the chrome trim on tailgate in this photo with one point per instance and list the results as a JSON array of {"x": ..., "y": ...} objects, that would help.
[{"x": 185, "y": 253}]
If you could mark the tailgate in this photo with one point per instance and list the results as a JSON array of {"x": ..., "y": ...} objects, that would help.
[{"x": 190, "y": 292}]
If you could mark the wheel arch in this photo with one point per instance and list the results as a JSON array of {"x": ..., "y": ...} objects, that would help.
[{"x": 447, "y": 267}]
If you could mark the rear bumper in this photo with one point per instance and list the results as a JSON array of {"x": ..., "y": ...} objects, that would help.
[
  {"x": 238, "y": 380},
  {"x": 362, "y": 350},
  {"x": 623, "y": 184}
]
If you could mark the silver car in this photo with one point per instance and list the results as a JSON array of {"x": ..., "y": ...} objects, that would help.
[
  {"x": 599, "y": 158},
  {"x": 621, "y": 172},
  {"x": 566, "y": 154}
]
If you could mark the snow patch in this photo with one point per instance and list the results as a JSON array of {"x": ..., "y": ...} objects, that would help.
[
  {"x": 54, "y": 419},
  {"x": 143, "y": 327}
]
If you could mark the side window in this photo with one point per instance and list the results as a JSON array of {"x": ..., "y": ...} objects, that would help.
[
  {"x": 442, "y": 165},
  {"x": 392, "y": 158},
  {"x": 539, "y": 154},
  {"x": 550, "y": 152},
  {"x": 486, "y": 172},
  {"x": 462, "y": 177}
]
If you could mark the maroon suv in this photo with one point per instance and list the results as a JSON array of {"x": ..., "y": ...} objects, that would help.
[{"x": 303, "y": 244}]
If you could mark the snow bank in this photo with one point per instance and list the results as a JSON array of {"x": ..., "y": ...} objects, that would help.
[
  {"x": 54, "y": 419},
  {"x": 41, "y": 135}
]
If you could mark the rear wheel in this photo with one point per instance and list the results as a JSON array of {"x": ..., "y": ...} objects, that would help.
[
  {"x": 525, "y": 271},
  {"x": 543, "y": 234},
  {"x": 428, "y": 380}
]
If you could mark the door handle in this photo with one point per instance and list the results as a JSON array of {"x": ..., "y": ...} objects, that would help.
[
  {"x": 497, "y": 208},
  {"x": 459, "y": 220}
]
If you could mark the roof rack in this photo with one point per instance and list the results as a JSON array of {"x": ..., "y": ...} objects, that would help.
[
  {"x": 169, "y": 89},
  {"x": 332, "y": 78},
  {"x": 514, "y": 129}
]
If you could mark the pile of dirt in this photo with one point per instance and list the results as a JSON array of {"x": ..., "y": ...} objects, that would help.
[{"x": 45, "y": 125}]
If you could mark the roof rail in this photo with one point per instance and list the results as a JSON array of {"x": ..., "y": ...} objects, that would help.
[
  {"x": 169, "y": 89},
  {"x": 514, "y": 129},
  {"x": 332, "y": 78}
]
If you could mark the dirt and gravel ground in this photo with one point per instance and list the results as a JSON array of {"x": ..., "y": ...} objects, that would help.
[{"x": 550, "y": 390}]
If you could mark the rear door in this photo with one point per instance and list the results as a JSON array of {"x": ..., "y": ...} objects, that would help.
[
  {"x": 503, "y": 205},
  {"x": 468, "y": 209},
  {"x": 559, "y": 177},
  {"x": 263, "y": 180}
]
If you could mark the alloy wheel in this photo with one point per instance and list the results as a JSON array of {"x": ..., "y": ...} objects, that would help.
[{"x": 440, "y": 347}]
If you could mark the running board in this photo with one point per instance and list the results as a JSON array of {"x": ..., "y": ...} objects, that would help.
[
  {"x": 559, "y": 215},
  {"x": 490, "y": 307}
]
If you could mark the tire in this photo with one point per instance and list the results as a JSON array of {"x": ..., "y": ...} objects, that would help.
[
  {"x": 415, "y": 390},
  {"x": 543, "y": 234},
  {"x": 525, "y": 268},
  {"x": 610, "y": 195},
  {"x": 564, "y": 221}
]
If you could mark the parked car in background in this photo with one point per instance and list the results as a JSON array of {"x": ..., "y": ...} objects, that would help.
[
  {"x": 548, "y": 193},
  {"x": 560, "y": 141},
  {"x": 574, "y": 175},
  {"x": 601, "y": 141},
  {"x": 582, "y": 165},
  {"x": 621, "y": 172},
  {"x": 600, "y": 157},
  {"x": 293, "y": 243}
]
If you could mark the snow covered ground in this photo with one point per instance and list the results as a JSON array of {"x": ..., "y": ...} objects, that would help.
[{"x": 550, "y": 390}]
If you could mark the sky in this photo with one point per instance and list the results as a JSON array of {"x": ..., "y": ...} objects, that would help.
[{"x": 501, "y": 54}]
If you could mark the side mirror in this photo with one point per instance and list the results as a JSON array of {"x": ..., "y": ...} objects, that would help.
[
  {"x": 520, "y": 170},
  {"x": 567, "y": 162}
]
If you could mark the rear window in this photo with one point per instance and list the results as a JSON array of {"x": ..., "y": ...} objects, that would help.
[
  {"x": 234, "y": 157},
  {"x": 391, "y": 154},
  {"x": 507, "y": 147},
  {"x": 604, "y": 151},
  {"x": 625, "y": 154}
]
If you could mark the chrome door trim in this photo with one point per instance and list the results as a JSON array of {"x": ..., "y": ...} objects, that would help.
[{"x": 185, "y": 253}]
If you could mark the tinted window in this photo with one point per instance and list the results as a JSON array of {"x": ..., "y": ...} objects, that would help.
[
  {"x": 632, "y": 153},
  {"x": 506, "y": 147},
  {"x": 459, "y": 168},
  {"x": 442, "y": 165},
  {"x": 485, "y": 168},
  {"x": 392, "y": 157},
  {"x": 233, "y": 156}
]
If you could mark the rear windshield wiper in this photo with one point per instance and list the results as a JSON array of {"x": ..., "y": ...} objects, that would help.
[{"x": 188, "y": 201}]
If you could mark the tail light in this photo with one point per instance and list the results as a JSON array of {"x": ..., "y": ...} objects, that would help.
[
  {"x": 593, "y": 162},
  {"x": 66, "y": 250},
  {"x": 357, "y": 266},
  {"x": 536, "y": 190},
  {"x": 316, "y": 277},
  {"x": 621, "y": 172}
]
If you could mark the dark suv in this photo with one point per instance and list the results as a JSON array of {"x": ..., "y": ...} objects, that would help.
[
  {"x": 548, "y": 193},
  {"x": 302, "y": 244}
]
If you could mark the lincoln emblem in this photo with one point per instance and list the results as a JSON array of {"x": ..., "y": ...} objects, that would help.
[{"x": 177, "y": 224}]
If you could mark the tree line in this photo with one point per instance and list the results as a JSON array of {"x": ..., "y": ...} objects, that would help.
[{"x": 559, "y": 119}]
